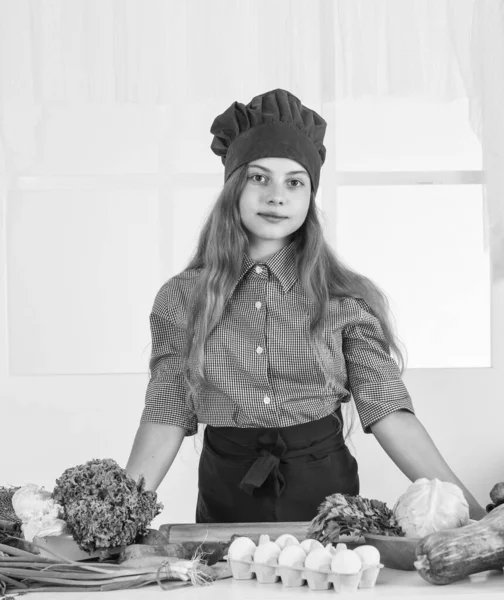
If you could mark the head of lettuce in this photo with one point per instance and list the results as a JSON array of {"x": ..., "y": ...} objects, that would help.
[{"x": 103, "y": 506}]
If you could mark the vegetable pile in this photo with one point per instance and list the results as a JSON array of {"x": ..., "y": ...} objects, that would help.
[
  {"x": 342, "y": 514},
  {"x": 103, "y": 506}
]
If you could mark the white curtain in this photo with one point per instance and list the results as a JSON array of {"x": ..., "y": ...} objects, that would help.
[
  {"x": 152, "y": 52},
  {"x": 485, "y": 79},
  {"x": 161, "y": 51}
]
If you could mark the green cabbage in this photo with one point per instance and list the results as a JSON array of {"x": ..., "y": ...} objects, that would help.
[{"x": 431, "y": 505}]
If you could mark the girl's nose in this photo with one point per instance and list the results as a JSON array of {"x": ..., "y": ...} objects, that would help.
[{"x": 276, "y": 195}]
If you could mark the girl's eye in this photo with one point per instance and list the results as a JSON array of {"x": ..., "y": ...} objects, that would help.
[
  {"x": 297, "y": 181},
  {"x": 254, "y": 176}
]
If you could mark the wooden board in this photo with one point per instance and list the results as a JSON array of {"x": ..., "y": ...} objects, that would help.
[{"x": 222, "y": 532}]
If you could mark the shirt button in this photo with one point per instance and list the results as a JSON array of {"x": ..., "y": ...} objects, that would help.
[
  {"x": 258, "y": 269},
  {"x": 258, "y": 305},
  {"x": 259, "y": 350},
  {"x": 266, "y": 400}
]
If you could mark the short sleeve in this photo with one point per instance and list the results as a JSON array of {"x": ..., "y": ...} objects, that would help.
[
  {"x": 373, "y": 375},
  {"x": 165, "y": 399}
]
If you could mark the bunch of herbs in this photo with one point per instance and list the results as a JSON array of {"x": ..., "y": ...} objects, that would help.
[{"x": 344, "y": 515}]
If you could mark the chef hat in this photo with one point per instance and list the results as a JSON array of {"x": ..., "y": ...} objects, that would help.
[{"x": 274, "y": 124}]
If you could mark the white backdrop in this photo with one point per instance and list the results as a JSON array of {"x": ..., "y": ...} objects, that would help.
[{"x": 106, "y": 174}]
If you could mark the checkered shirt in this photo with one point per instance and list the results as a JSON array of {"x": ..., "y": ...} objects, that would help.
[{"x": 260, "y": 359}]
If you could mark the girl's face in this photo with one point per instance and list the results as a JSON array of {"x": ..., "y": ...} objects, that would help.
[{"x": 273, "y": 204}]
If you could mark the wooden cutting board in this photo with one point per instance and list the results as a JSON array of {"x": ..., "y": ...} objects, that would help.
[{"x": 178, "y": 533}]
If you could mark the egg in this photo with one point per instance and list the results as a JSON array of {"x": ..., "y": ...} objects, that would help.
[
  {"x": 318, "y": 559},
  {"x": 292, "y": 556},
  {"x": 309, "y": 545},
  {"x": 267, "y": 553},
  {"x": 285, "y": 540},
  {"x": 369, "y": 555},
  {"x": 346, "y": 562},
  {"x": 242, "y": 548}
]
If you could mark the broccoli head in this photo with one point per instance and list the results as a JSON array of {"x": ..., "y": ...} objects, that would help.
[{"x": 103, "y": 506}]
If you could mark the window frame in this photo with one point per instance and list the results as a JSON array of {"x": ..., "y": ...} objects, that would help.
[{"x": 334, "y": 178}]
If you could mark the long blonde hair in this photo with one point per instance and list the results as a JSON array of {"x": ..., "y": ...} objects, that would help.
[{"x": 219, "y": 252}]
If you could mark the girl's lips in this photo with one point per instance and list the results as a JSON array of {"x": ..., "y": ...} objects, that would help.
[{"x": 272, "y": 219}]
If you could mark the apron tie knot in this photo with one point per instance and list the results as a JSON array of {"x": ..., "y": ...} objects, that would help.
[{"x": 271, "y": 448}]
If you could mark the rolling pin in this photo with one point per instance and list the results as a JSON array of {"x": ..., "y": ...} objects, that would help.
[{"x": 222, "y": 532}]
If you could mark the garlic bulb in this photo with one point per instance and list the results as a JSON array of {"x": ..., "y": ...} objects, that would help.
[
  {"x": 318, "y": 559},
  {"x": 369, "y": 555},
  {"x": 242, "y": 548},
  {"x": 339, "y": 548},
  {"x": 346, "y": 562},
  {"x": 285, "y": 540},
  {"x": 292, "y": 556},
  {"x": 309, "y": 545}
]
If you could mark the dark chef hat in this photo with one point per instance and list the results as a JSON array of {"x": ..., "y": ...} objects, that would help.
[{"x": 274, "y": 124}]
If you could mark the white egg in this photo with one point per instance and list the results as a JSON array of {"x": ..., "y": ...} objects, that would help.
[
  {"x": 369, "y": 555},
  {"x": 292, "y": 556},
  {"x": 309, "y": 545},
  {"x": 242, "y": 548},
  {"x": 286, "y": 539},
  {"x": 318, "y": 558},
  {"x": 267, "y": 553},
  {"x": 346, "y": 562}
]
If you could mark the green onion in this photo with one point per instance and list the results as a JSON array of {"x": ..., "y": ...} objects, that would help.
[{"x": 31, "y": 572}]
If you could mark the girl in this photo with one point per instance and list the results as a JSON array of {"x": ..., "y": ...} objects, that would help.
[{"x": 265, "y": 334}]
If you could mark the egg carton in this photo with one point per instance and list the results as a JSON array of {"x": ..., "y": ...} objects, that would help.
[{"x": 297, "y": 576}]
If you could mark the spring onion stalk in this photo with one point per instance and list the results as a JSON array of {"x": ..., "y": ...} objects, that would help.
[{"x": 29, "y": 572}]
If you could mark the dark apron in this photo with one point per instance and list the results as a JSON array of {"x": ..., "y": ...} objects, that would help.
[{"x": 273, "y": 474}]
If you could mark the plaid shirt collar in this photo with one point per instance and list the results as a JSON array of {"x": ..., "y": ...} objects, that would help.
[{"x": 282, "y": 264}]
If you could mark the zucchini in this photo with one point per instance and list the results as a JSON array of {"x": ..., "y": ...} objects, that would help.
[{"x": 453, "y": 554}]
